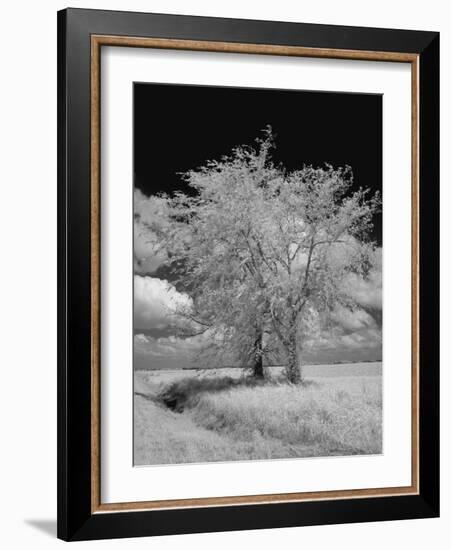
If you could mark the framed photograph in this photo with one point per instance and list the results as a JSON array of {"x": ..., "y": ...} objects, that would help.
[{"x": 248, "y": 274}]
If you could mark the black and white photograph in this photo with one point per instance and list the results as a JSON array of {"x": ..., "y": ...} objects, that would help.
[{"x": 257, "y": 274}]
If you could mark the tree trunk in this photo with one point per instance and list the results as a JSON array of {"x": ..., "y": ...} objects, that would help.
[
  {"x": 257, "y": 367},
  {"x": 294, "y": 369}
]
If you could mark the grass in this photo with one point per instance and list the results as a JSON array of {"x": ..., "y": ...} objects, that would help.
[{"x": 207, "y": 417}]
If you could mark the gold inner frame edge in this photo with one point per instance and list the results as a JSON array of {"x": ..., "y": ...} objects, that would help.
[{"x": 97, "y": 41}]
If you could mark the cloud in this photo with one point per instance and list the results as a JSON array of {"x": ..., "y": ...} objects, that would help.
[
  {"x": 155, "y": 301},
  {"x": 350, "y": 332},
  {"x": 370, "y": 338},
  {"x": 351, "y": 321},
  {"x": 368, "y": 291},
  {"x": 358, "y": 330},
  {"x": 353, "y": 334},
  {"x": 168, "y": 352},
  {"x": 339, "y": 341},
  {"x": 148, "y": 255}
]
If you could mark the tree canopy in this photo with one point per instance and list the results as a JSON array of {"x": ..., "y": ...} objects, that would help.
[{"x": 264, "y": 253}]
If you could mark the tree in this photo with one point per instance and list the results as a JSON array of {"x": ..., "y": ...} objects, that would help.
[
  {"x": 311, "y": 236},
  {"x": 202, "y": 234},
  {"x": 265, "y": 254}
]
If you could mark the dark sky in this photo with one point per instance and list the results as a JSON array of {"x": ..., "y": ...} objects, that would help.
[{"x": 177, "y": 128}]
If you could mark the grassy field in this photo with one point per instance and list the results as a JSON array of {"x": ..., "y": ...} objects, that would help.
[{"x": 218, "y": 415}]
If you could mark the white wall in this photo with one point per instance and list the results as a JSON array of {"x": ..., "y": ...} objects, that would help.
[{"x": 28, "y": 269}]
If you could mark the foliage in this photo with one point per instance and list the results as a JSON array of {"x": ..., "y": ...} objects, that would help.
[{"x": 265, "y": 254}]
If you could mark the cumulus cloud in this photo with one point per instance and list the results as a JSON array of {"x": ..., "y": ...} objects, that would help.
[
  {"x": 155, "y": 301},
  {"x": 148, "y": 255},
  {"x": 357, "y": 330},
  {"x": 352, "y": 334},
  {"x": 370, "y": 338},
  {"x": 339, "y": 340},
  {"x": 352, "y": 321},
  {"x": 168, "y": 352},
  {"x": 355, "y": 334},
  {"x": 368, "y": 291}
]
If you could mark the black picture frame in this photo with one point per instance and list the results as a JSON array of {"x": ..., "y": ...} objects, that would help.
[{"x": 76, "y": 520}]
